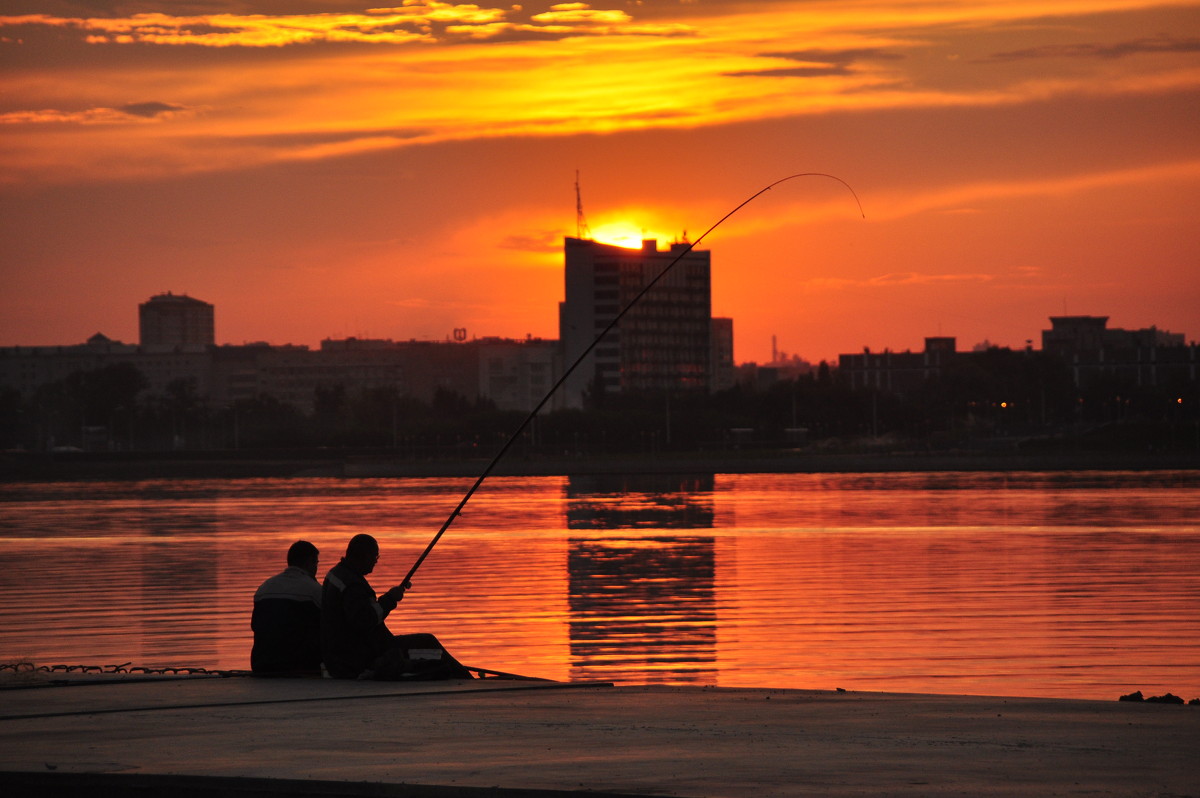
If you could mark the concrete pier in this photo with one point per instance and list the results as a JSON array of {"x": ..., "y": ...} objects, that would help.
[{"x": 244, "y": 736}]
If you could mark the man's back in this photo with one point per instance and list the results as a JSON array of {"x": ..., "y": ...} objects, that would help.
[
  {"x": 353, "y": 633},
  {"x": 287, "y": 624}
]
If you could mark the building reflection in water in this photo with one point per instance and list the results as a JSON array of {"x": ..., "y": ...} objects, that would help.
[{"x": 642, "y": 605}]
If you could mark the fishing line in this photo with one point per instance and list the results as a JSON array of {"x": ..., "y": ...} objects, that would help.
[{"x": 567, "y": 373}]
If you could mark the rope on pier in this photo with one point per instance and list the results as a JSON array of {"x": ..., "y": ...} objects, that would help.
[
  {"x": 177, "y": 670},
  {"x": 123, "y": 668}
]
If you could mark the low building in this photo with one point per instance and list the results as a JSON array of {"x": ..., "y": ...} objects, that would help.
[
  {"x": 897, "y": 372},
  {"x": 722, "y": 370},
  {"x": 514, "y": 374},
  {"x": 1096, "y": 353},
  {"x": 517, "y": 375},
  {"x": 24, "y": 369}
]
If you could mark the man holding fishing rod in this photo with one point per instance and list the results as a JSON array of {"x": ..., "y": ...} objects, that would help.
[{"x": 355, "y": 641}]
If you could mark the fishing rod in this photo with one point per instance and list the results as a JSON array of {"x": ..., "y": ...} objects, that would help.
[{"x": 570, "y": 369}]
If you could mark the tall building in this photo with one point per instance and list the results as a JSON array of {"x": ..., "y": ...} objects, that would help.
[
  {"x": 662, "y": 344},
  {"x": 175, "y": 322}
]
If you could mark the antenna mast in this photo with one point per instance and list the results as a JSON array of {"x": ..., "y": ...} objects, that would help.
[{"x": 582, "y": 231}]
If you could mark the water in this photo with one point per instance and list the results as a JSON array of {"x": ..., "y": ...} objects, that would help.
[{"x": 1057, "y": 584}]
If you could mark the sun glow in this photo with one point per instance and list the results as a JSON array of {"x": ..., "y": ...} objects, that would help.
[{"x": 627, "y": 234}]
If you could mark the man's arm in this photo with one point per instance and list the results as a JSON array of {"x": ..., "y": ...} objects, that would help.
[
  {"x": 390, "y": 599},
  {"x": 363, "y": 610}
]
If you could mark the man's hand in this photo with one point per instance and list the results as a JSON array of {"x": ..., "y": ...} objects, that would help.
[{"x": 390, "y": 599}]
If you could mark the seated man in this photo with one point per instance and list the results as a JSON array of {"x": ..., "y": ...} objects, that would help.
[
  {"x": 355, "y": 641},
  {"x": 287, "y": 617}
]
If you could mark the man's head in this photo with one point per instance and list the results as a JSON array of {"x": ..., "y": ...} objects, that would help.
[
  {"x": 304, "y": 555},
  {"x": 362, "y": 552}
]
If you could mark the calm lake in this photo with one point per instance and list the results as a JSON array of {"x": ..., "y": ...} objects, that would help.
[{"x": 1080, "y": 584}]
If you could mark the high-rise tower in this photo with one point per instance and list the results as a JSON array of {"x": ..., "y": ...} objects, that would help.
[
  {"x": 662, "y": 344},
  {"x": 173, "y": 321}
]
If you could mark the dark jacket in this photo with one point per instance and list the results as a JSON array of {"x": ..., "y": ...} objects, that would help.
[
  {"x": 353, "y": 633},
  {"x": 287, "y": 624}
]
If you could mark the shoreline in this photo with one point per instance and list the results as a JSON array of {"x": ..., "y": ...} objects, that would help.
[
  {"x": 458, "y": 740},
  {"x": 87, "y": 466}
]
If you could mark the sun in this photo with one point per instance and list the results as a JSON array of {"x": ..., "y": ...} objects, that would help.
[{"x": 625, "y": 234}]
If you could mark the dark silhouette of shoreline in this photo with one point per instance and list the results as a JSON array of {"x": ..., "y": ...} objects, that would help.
[{"x": 357, "y": 463}]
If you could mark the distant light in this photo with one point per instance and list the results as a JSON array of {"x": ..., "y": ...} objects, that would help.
[
  {"x": 1179, "y": 401},
  {"x": 1004, "y": 404}
]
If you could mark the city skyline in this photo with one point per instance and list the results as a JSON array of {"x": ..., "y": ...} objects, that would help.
[
  {"x": 326, "y": 169},
  {"x": 778, "y": 355}
]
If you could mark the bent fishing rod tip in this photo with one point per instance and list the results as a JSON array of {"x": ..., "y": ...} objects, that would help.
[{"x": 521, "y": 427}]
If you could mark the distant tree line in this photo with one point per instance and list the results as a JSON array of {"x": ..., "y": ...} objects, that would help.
[{"x": 997, "y": 397}]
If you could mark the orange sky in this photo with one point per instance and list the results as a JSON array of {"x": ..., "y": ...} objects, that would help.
[{"x": 325, "y": 168}]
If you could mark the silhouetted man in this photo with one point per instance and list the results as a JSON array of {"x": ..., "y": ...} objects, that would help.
[
  {"x": 355, "y": 641},
  {"x": 287, "y": 617}
]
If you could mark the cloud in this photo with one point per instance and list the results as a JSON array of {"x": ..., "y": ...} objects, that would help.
[
  {"x": 309, "y": 140},
  {"x": 819, "y": 63},
  {"x": 125, "y": 114},
  {"x": 917, "y": 278},
  {"x": 580, "y": 13},
  {"x": 411, "y": 22},
  {"x": 962, "y": 197},
  {"x": 1154, "y": 44},
  {"x": 542, "y": 241},
  {"x": 970, "y": 194},
  {"x": 150, "y": 110},
  {"x": 573, "y": 72},
  {"x": 414, "y": 21},
  {"x": 896, "y": 279},
  {"x": 843, "y": 57},
  {"x": 791, "y": 72}
]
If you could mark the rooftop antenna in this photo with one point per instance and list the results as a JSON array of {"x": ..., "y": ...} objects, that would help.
[{"x": 582, "y": 231}]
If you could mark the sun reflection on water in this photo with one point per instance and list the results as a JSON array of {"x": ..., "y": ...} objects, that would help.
[{"x": 1015, "y": 584}]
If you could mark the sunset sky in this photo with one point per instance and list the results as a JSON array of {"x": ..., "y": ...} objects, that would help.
[{"x": 326, "y": 168}]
